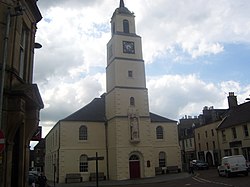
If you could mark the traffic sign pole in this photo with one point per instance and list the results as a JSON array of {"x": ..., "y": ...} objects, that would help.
[{"x": 96, "y": 158}]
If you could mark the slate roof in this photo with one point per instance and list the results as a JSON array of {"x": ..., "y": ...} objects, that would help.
[
  {"x": 157, "y": 118},
  {"x": 95, "y": 112},
  {"x": 236, "y": 116}
]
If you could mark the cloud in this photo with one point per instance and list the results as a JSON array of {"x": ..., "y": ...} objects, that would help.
[
  {"x": 61, "y": 98},
  {"x": 70, "y": 68},
  {"x": 175, "y": 96},
  {"x": 171, "y": 95},
  {"x": 197, "y": 27},
  {"x": 44, "y": 4}
]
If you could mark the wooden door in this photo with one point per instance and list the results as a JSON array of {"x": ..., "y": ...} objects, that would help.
[{"x": 134, "y": 169}]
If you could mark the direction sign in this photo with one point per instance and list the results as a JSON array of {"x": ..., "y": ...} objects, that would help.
[
  {"x": 2, "y": 141},
  {"x": 96, "y": 158}
]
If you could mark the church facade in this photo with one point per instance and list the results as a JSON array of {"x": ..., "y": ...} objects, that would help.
[{"x": 132, "y": 141}]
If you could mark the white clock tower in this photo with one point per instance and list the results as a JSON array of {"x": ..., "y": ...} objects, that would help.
[{"x": 129, "y": 136}]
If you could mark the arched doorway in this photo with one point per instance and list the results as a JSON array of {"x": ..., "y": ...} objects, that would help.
[
  {"x": 134, "y": 166},
  {"x": 209, "y": 158}
]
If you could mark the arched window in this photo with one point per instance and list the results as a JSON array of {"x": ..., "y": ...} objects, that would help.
[
  {"x": 159, "y": 132},
  {"x": 83, "y": 166},
  {"x": 83, "y": 133},
  {"x": 162, "y": 159},
  {"x": 132, "y": 101},
  {"x": 134, "y": 158},
  {"x": 125, "y": 26}
]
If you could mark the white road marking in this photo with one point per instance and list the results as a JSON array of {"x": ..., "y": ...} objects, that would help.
[{"x": 201, "y": 180}]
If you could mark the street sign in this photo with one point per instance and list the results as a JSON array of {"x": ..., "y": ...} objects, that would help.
[
  {"x": 96, "y": 158},
  {"x": 2, "y": 141}
]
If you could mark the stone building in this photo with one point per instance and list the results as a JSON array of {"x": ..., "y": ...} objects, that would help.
[
  {"x": 207, "y": 146},
  {"x": 228, "y": 135},
  {"x": 186, "y": 129},
  {"x": 20, "y": 100},
  {"x": 234, "y": 129},
  {"x": 118, "y": 126}
]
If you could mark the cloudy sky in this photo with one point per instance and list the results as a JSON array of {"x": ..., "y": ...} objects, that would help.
[{"x": 195, "y": 52}]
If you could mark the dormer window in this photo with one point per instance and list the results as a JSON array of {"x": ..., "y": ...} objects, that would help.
[{"x": 125, "y": 26}]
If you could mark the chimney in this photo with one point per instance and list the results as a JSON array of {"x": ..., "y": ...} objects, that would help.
[{"x": 232, "y": 100}]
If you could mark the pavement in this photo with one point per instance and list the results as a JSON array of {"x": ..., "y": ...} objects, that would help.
[{"x": 156, "y": 179}]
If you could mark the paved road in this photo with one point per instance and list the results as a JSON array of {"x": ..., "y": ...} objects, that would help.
[
  {"x": 201, "y": 178},
  {"x": 212, "y": 176}
]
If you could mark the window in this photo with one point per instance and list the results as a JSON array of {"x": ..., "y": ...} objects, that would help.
[
  {"x": 207, "y": 145},
  {"x": 130, "y": 73},
  {"x": 199, "y": 147},
  {"x": 206, "y": 134},
  {"x": 110, "y": 51},
  {"x": 84, "y": 163},
  {"x": 185, "y": 132},
  {"x": 213, "y": 145},
  {"x": 125, "y": 26},
  {"x": 132, "y": 101},
  {"x": 236, "y": 151},
  {"x": 212, "y": 132},
  {"x": 113, "y": 28},
  {"x": 23, "y": 51},
  {"x": 162, "y": 159},
  {"x": 190, "y": 142},
  {"x": 199, "y": 136},
  {"x": 246, "y": 153},
  {"x": 227, "y": 152},
  {"x": 234, "y": 133},
  {"x": 134, "y": 158},
  {"x": 245, "y": 130},
  {"x": 159, "y": 132},
  {"x": 56, "y": 137},
  {"x": 83, "y": 133},
  {"x": 224, "y": 138}
]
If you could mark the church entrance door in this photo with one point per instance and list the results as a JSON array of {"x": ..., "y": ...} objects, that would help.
[{"x": 134, "y": 167}]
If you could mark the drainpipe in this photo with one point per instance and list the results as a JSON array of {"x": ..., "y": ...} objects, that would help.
[{"x": 107, "y": 151}]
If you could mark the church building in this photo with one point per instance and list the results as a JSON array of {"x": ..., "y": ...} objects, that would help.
[{"x": 131, "y": 142}]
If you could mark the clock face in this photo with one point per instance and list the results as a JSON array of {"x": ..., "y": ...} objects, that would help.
[{"x": 128, "y": 47}]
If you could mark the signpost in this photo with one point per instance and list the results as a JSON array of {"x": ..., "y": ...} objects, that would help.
[
  {"x": 2, "y": 141},
  {"x": 96, "y": 158}
]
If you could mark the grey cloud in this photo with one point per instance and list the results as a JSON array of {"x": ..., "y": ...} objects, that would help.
[{"x": 44, "y": 4}]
